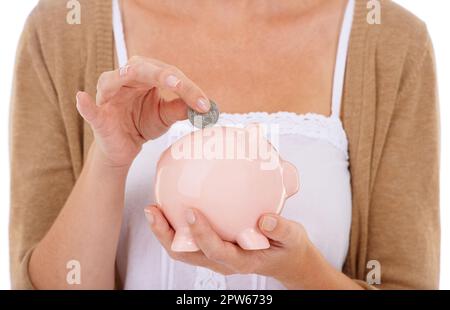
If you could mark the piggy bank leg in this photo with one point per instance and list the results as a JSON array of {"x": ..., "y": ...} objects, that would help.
[
  {"x": 183, "y": 241},
  {"x": 252, "y": 239}
]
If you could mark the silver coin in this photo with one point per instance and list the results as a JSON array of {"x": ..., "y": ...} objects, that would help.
[{"x": 203, "y": 120}]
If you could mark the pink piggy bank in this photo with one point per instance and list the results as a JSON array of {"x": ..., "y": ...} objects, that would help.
[{"x": 232, "y": 175}]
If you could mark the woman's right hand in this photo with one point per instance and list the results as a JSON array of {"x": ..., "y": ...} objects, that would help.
[{"x": 129, "y": 110}]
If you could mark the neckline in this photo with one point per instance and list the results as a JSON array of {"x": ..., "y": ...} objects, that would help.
[
  {"x": 339, "y": 69},
  {"x": 277, "y": 124}
]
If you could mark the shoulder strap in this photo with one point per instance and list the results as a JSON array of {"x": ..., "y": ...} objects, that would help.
[
  {"x": 341, "y": 59},
  {"x": 119, "y": 37}
]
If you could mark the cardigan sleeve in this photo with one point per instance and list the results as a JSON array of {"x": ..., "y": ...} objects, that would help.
[
  {"x": 404, "y": 224},
  {"x": 41, "y": 170}
]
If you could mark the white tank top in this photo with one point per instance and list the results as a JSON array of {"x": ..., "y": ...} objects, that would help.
[{"x": 315, "y": 144}]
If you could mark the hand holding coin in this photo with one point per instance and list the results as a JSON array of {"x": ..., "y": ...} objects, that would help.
[
  {"x": 203, "y": 120},
  {"x": 129, "y": 110}
]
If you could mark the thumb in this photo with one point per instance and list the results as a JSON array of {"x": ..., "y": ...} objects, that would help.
[
  {"x": 87, "y": 108},
  {"x": 172, "y": 111},
  {"x": 280, "y": 229}
]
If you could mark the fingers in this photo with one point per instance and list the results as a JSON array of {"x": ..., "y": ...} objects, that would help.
[
  {"x": 159, "y": 226},
  {"x": 142, "y": 73},
  {"x": 172, "y": 111},
  {"x": 280, "y": 229},
  {"x": 205, "y": 237},
  {"x": 87, "y": 108},
  {"x": 162, "y": 230},
  {"x": 217, "y": 250}
]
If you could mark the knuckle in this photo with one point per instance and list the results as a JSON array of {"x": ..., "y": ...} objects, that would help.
[
  {"x": 174, "y": 70},
  {"x": 102, "y": 81},
  {"x": 286, "y": 231},
  {"x": 190, "y": 89},
  {"x": 135, "y": 70},
  {"x": 135, "y": 59},
  {"x": 132, "y": 71},
  {"x": 170, "y": 70},
  {"x": 292, "y": 231}
]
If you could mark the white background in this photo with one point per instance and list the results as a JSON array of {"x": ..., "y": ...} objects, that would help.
[{"x": 436, "y": 13}]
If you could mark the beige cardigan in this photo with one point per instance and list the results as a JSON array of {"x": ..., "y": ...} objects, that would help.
[{"x": 390, "y": 113}]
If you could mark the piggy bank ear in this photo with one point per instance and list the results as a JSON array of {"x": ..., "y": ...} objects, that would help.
[{"x": 290, "y": 178}]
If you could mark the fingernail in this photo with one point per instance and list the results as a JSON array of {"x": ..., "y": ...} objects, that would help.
[
  {"x": 269, "y": 223},
  {"x": 203, "y": 104},
  {"x": 77, "y": 97},
  {"x": 190, "y": 216},
  {"x": 172, "y": 81},
  {"x": 149, "y": 216}
]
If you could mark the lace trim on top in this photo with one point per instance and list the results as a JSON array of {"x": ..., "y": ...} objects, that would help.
[{"x": 312, "y": 125}]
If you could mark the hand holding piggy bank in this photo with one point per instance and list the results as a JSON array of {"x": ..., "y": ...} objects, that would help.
[{"x": 232, "y": 175}]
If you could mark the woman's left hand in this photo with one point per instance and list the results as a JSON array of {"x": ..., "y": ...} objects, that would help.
[{"x": 282, "y": 261}]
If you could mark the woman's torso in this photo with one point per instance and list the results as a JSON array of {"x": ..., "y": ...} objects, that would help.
[{"x": 314, "y": 143}]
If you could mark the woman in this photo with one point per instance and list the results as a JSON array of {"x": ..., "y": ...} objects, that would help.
[{"x": 349, "y": 97}]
